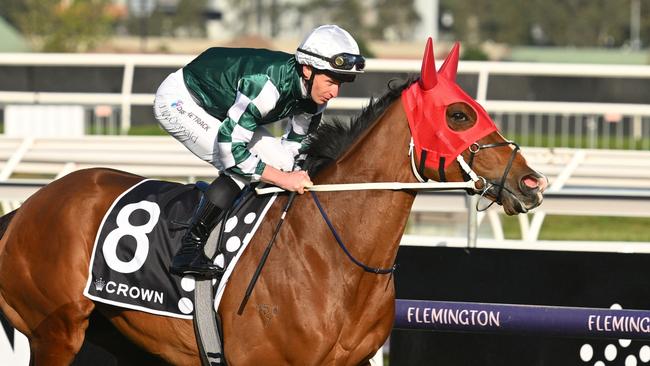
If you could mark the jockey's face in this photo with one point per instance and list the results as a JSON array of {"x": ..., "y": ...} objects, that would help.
[{"x": 323, "y": 87}]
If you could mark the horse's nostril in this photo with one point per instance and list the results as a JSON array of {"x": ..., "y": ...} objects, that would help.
[{"x": 530, "y": 182}]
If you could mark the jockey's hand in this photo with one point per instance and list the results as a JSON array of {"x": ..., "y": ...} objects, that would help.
[{"x": 295, "y": 181}]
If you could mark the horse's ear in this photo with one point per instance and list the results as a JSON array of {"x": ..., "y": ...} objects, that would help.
[
  {"x": 450, "y": 66},
  {"x": 428, "y": 76}
]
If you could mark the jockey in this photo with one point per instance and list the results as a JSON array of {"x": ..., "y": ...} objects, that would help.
[{"x": 217, "y": 105}]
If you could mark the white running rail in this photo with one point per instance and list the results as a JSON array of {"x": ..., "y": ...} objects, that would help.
[
  {"x": 582, "y": 182},
  {"x": 129, "y": 62}
]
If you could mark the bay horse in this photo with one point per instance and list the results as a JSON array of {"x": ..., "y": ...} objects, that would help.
[{"x": 311, "y": 305}]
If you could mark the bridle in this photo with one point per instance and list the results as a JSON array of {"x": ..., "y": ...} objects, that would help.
[
  {"x": 468, "y": 173},
  {"x": 501, "y": 184}
]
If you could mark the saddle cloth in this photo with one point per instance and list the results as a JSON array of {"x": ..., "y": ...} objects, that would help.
[{"x": 139, "y": 235}]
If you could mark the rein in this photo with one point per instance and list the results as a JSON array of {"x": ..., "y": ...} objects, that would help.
[
  {"x": 256, "y": 275},
  {"x": 424, "y": 186},
  {"x": 342, "y": 245}
]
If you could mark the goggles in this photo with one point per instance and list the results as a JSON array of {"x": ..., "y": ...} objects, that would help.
[{"x": 341, "y": 61}]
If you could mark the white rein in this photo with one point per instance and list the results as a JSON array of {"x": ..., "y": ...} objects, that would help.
[{"x": 428, "y": 185}]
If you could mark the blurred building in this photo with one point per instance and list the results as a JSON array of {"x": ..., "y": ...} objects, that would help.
[
  {"x": 283, "y": 19},
  {"x": 287, "y": 19}
]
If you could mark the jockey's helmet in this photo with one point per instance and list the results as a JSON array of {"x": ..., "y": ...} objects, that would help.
[{"x": 332, "y": 50}]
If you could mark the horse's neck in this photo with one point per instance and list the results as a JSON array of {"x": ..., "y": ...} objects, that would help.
[
  {"x": 380, "y": 155},
  {"x": 372, "y": 222}
]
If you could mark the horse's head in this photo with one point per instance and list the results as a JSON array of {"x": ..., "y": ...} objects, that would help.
[{"x": 454, "y": 137}]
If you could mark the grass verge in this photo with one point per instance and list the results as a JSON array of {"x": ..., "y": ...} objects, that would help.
[{"x": 588, "y": 228}]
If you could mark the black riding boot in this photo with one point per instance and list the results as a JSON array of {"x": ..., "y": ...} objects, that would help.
[{"x": 191, "y": 258}]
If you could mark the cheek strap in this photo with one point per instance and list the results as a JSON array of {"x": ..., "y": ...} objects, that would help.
[
  {"x": 414, "y": 169},
  {"x": 418, "y": 171}
]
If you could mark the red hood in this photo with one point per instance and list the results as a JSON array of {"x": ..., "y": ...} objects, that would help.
[{"x": 426, "y": 102}]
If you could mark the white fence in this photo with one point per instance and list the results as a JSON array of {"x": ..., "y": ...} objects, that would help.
[
  {"x": 555, "y": 115},
  {"x": 582, "y": 182}
]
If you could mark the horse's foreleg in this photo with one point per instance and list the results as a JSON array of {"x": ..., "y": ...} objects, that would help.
[{"x": 59, "y": 336}]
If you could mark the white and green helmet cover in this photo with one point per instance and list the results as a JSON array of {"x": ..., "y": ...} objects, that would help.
[{"x": 327, "y": 41}]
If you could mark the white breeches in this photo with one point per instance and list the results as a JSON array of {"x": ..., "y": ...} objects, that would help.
[{"x": 178, "y": 113}]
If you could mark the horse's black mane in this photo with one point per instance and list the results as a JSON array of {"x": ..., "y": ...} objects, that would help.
[{"x": 333, "y": 138}]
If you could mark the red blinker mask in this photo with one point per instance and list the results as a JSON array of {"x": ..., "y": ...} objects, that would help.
[{"x": 426, "y": 102}]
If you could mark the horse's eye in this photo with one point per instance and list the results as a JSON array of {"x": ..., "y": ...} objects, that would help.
[{"x": 459, "y": 117}]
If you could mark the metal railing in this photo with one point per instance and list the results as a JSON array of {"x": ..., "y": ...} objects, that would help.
[
  {"x": 538, "y": 123},
  {"x": 582, "y": 182}
]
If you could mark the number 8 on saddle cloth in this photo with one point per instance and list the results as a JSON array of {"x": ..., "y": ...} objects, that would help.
[{"x": 139, "y": 235}]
